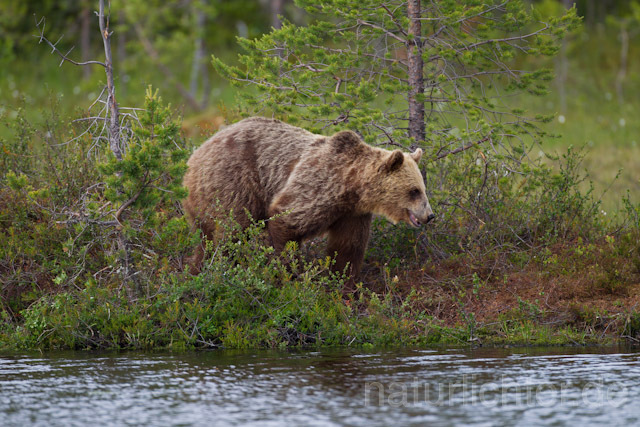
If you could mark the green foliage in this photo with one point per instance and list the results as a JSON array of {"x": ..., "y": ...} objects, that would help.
[
  {"x": 59, "y": 207},
  {"x": 144, "y": 188},
  {"x": 150, "y": 173},
  {"x": 392, "y": 245},
  {"x": 244, "y": 298},
  {"x": 348, "y": 69},
  {"x": 45, "y": 174}
]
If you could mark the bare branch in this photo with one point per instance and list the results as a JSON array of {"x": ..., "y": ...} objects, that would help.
[
  {"x": 40, "y": 25},
  {"x": 128, "y": 203},
  {"x": 395, "y": 21},
  {"x": 114, "y": 124},
  {"x": 416, "y": 74},
  {"x": 384, "y": 30},
  {"x": 389, "y": 137},
  {"x": 464, "y": 148}
]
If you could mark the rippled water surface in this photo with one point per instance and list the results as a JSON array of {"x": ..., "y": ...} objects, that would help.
[{"x": 386, "y": 388}]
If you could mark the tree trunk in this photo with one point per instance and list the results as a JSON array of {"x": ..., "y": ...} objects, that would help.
[
  {"x": 155, "y": 57},
  {"x": 416, "y": 78},
  {"x": 113, "y": 125},
  {"x": 591, "y": 13},
  {"x": 276, "y": 12},
  {"x": 206, "y": 86},
  {"x": 624, "y": 54},
  {"x": 113, "y": 118},
  {"x": 198, "y": 52}
]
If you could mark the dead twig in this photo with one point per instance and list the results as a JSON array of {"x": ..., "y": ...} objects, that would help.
[
  {"x": 464, "y": 148},
  {"x": 40, "y": 25}
]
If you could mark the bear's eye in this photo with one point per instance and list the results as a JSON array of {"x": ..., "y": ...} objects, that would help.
[{"x": 414, "y": 194}]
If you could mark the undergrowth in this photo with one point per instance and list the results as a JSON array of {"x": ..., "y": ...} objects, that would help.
[{"x": 532, "y": 262}]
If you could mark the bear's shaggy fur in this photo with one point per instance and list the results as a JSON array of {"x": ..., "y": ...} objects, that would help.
[{"x": 318, "y": 184}]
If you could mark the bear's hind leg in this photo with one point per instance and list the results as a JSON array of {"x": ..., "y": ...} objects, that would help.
[{"x": 209, "y": 232}]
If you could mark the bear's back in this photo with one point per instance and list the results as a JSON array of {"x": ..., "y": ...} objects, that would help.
[{"x": 253, "y": 158}]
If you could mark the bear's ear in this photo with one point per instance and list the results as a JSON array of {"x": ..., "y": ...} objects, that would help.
[
  {"x": 416, "y": 155},
  {"x": 394, "y": 161}
]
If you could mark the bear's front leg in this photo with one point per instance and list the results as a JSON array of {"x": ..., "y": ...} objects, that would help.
[
  {"x": 282, "y": 231},
  {"x": 297, "y": 214},
  {"x": 348, "y": 239}
]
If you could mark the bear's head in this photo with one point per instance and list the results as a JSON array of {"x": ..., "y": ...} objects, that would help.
[{"x": 399, "y": 191}]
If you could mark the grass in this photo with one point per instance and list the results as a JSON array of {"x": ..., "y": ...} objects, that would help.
[
  {"x": 567, "y": 293},
  {"x": 595, "y": 118},
  {"x": 612, "y": 150},
  {"x": 38, "y": 89}
]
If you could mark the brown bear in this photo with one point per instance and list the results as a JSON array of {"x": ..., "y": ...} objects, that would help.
[{"x": 314, "y": 184}]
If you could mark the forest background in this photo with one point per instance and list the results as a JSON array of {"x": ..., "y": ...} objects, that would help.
[{"x": 169, "y": 45}]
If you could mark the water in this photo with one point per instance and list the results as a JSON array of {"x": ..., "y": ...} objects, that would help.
[{"x": 386, "y": 388}]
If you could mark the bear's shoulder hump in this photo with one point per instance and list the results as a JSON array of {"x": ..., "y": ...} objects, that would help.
[{"x": 347, "y": 141}]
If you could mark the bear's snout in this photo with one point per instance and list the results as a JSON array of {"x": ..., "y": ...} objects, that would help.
[
  {"x": 420, "y": 217},
  {"x": 426, "y": 214}
]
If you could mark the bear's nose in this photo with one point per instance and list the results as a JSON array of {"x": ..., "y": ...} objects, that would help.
[{"x": 430, "y": 217}]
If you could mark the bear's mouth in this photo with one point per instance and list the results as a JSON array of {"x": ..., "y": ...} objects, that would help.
[{"x": 412, "y": 218}]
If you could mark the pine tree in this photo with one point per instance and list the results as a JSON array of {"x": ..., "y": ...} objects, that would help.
[
  {"x": 433, "y": 73},
  {"x": 437, "y": 74}
]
